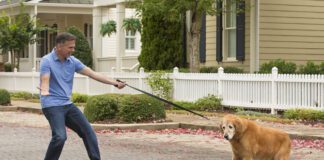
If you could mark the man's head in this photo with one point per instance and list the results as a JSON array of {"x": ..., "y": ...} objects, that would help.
[{"x": 65, "y": 44}]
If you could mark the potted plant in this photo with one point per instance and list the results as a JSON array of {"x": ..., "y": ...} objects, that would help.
[{"x": 108, "y": 28}]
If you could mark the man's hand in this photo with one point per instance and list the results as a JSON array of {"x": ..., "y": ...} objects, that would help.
[
  {"x": 120, "y": 85},
  {"x": 43, "y": 92}
]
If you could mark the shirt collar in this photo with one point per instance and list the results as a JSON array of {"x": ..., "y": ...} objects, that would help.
[{"x": 56, "y": 58}]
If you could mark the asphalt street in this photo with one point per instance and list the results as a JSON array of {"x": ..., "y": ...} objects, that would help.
[{"x": 30, "y": 143}]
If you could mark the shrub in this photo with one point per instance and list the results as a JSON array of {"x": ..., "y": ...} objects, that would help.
[
  {"x": 228, "y": 69},
  {"x": 188, "y": 105},
  {"x": 232, "y": 70},
  {"x": 4, "y": 97},
  {"x": 208, "y": 70},
  {"x": 304, "y": 114},
  {"x": 22, "y": 94},
  {"x": 209, "y": 103},
  {"x": 283, "y": 67},
  {"x": 321, "y": 68},
  {"x": 101, "y": 107},
  {"x": 79, "y": 98},
  {"x": 7, "y": 67},
  {"x": 140, "y": 108},
  {"x": 160, "y": 84},
  {"x": 309, "y": 68}
]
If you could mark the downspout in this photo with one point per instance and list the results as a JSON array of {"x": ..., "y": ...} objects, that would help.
[
  {"x": 254, "y": 37},
  {"x": 257, "y": 37}
]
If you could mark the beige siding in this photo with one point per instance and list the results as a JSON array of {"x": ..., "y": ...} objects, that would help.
[
  {"x": 292, "y": 30},
  {"x": 211, "y": 45}
]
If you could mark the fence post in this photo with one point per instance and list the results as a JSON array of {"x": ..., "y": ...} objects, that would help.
[
  {"x": 220, "y": 85},
  {"x": 274, "y": 89},
  {"x": 175, "y": 73},
  {"x": 33, "y": 81},
  {"x": 141, "y": 77},
  {"x": 15, "y": 79}
]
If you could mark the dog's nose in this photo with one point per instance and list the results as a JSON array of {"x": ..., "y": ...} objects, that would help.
[{"x": 226, "y": 136}]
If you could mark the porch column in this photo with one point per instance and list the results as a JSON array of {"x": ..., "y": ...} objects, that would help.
[
  {"x": 33, "y": 47},
  {"x": 120, "y": 45},
  {"x": 97, "y": 38}
]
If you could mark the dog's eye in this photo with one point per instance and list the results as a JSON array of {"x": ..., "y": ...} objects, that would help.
[
  {"x": 223, "y": 127},
  {"x": 230, "y": 127}
]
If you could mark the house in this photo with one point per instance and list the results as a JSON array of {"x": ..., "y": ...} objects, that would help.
[
  {"x": 60, "y": 14},
  {"x": 291, "y": 30}
]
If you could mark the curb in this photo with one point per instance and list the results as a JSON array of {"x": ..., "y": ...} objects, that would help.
[{"x": 151, "y": 126}]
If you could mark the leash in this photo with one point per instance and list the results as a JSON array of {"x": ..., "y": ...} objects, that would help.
[{"x": 163, "y": 100}]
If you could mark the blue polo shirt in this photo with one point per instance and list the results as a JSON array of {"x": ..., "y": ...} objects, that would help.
[{"x": 61, "y": 78}]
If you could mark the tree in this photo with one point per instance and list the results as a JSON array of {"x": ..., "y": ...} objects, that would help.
[
  {"x": 161, "y": 37},
  {"x": 82, "y": 47},
  {"x": 16, "y": 33},
  {"x": 197, "y": 9}
]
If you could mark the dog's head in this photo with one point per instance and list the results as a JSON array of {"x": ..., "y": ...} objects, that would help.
[{"x": 232, "y": 126}]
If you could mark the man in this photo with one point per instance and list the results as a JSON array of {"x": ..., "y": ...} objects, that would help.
[{"x": 56, "y": 76}]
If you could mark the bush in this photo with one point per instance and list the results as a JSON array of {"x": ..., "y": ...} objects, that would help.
[
  {"x": 321, "y": 68},
  {"x": 232, "y": 70},
  {"x": 7, "y": 67},
  {"x": 188, "y": 105},
  {"x": 209, "y": 103},
  {"x": 101, "y": 107},
  {"x": 283, "y": 67},
  {"x": 256, "y": 114},
  {"x": 140, "y": 108},
  {"x": 309, "y": 68},
  {"x": 4, "y": 97},
  {"x": 82, "y": 47},
  {"x": 23, "y": 95},
  {"x": 79, "y": 98},
  {"x": 304, "y": 114},
  {"x": 228, "y": 69}
]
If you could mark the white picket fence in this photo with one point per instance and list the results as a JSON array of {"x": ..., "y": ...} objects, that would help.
[{"x": 266, "y": 91}]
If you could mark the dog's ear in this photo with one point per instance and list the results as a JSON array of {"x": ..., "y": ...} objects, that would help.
[
  {"x": 239, "y": 124},
  {"x": 221, "y": 127}
]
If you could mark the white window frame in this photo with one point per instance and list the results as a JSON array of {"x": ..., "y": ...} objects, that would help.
[
  {"x": 232, "y": 27},
  {"x": 128, "y": 37}
]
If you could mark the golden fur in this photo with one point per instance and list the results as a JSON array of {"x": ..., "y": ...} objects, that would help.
[{"x": 250, "y": 141}]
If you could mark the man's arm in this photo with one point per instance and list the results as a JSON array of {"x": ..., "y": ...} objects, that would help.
[
  {"x": 44, "y": 88},
  {"x": 101, "y": 78}
]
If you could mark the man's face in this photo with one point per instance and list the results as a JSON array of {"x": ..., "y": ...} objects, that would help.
[{"x": 65, "y": 49}]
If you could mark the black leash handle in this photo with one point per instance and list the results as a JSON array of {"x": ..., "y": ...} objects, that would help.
[{"x": 164, "y": 100}]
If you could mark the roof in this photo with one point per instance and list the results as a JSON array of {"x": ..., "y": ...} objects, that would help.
[
  {"x": 4, "y": 2},
  {"x": 68, "y": 1}
]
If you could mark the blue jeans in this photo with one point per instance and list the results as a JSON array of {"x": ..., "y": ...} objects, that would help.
[{"x": 70, "y": 116}]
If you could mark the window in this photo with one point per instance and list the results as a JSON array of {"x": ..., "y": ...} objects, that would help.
[
  {"x": 88, "y": 33},
  {"x": 229, "y": 31},
  {"x": 24, "y": 53},
  {"x": 130, "y": 40}
]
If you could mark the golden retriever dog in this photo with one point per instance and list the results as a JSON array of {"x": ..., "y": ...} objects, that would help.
[{"x": 250, "y": 141}]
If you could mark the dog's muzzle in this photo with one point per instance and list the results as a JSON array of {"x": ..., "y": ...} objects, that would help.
[{"x": 226, "y": 136}]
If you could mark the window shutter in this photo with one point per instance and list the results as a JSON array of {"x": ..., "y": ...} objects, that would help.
[
  {"x": 240, "y": 31},
  {"x": 202, "y": 45},
  {"x": 219, "y": 32}
]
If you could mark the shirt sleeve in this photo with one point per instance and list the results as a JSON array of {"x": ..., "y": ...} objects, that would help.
[
  {"x": 45, "y": 67},
  {"x": 78, "y": 65}
]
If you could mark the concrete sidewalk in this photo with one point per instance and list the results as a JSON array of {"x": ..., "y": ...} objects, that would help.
[{"x": 183, "y": 121}]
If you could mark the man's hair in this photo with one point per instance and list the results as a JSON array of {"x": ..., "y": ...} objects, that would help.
[{"x": 63, "y": 37}]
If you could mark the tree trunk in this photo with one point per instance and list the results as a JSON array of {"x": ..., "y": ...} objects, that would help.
[
  {"x": 12, "y": 60},
  {"x": 194, "y": 44}
]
